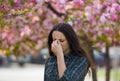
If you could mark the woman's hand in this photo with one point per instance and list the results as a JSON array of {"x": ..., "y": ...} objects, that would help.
[{"x": 56, "y": 48}]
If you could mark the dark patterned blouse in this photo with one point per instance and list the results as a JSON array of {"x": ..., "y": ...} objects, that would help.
[{"x": 76, "y": 68}]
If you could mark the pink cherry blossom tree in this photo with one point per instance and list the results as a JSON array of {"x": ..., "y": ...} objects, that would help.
[{"x": 24, "y": 25}]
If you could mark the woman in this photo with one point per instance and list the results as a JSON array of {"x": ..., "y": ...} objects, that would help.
[{"x": 67, "y": 61}]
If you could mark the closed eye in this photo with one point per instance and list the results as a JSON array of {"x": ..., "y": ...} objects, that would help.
[
  {"x": 59, "y": 40},
  {"x": 62, "y": 40},
  {"x": 54, "y": 39}
]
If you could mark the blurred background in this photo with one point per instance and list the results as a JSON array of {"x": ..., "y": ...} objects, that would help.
[{"x": 25, "y": 25}]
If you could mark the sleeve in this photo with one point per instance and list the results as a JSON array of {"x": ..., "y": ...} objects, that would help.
[
  {"x": 77, "y": 72},
  {"x": 45, "y": 70}
]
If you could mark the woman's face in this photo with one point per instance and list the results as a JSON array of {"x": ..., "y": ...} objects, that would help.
[{"x": 56, "y": 35}]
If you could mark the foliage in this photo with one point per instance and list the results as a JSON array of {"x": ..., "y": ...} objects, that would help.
[{"x": 25, "y": 24}]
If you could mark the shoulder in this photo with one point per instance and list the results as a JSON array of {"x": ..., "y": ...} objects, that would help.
[
  {"x": 81, "y": 59},
  {"x": 50, "y": 60}
]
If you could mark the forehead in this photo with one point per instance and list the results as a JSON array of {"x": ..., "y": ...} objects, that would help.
[{"x": 58, "y": 35}]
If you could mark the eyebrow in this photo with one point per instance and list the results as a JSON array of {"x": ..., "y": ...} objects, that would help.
[{"x": 60, "y": 39}]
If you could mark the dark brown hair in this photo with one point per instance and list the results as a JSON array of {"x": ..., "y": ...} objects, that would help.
[{"x": 71, "y": 37}]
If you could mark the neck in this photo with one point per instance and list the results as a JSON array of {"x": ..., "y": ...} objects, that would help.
[{"x": 66, "y": 51}]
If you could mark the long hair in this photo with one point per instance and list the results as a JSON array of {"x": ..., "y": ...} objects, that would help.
[{"x": 71, "y": 37}]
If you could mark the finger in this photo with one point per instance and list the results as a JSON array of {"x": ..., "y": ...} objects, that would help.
[
  {"x": 58, "y": 41},
  {"x": 55, "y": 42},
  {"x": 52, "y": 48},
  {"x": 52, "y": 45}
]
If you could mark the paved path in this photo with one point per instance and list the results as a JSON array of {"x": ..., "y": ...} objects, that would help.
[{"x": 28, "y": 73}]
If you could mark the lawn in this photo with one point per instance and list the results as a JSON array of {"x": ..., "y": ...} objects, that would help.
[{"x": 115, "y": 74}]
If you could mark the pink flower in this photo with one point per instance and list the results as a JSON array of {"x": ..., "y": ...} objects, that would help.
[
  {"x": 1, "y": 7},
  {"x": 98, "y": 6},
  {"x": 107, "y": 30},
  {"x": 4, "y": 43},
  {"x": 39, "y": 45},
  {"x": 68, "y": 7},
  {"x": 110, "y": 39},
  {"x": 34, "y": 2},
  {"x": 6, "y": 7},
  {"x": 108, "y": 9},
  {"x": 114, "y": 17},
  {"x": 5, "y": 35},
  {"x": 12, "y": 42},
  {"x": 39, "y": 1},
  {"x": 35, "y": 19},
  {"x": 103, "y": 18},
  {"x": 17, "y": 5},
  {"x": 63, "y": 1},
  {"x": 78, "y": 3},
  {"x": 93, "y": 20},
  {"x": 116, "y": 6},
  {"x": 26, "y": 31},
  {"x": 76, "y": 0}
]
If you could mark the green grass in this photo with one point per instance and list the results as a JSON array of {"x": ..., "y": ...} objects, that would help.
[{"x": 115, "y": 73}]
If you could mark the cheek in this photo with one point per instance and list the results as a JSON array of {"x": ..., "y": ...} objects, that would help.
[{"x": 64, "y": 45}]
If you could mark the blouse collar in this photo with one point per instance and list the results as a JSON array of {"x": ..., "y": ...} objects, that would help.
[{"x": 69, "y": 54}]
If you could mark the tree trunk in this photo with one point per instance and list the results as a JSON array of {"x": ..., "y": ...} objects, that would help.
[
  {"x": 94, "y": 73},
  {"x": 107, "y": 61}
]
